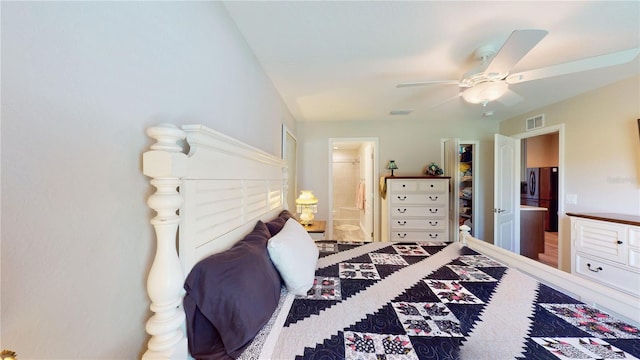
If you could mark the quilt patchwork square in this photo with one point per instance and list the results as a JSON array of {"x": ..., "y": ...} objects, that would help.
[
  {"x": 327, "y": 247},
  {"x": 387, "y": 259},
  {"x": 358, "y": 271},
  {"x": 427, "y": 319},
  {"x": 324, "y": 288},
  {"x": 368, "y": 346},
  {"x": 479, "y": 261},
  {"x": 410, "y": 250},
  {"x": 593, "y": 321},
  {"x": 470, "y": 273},
  {"x": 581, "y": 348},
  {"x": 451, "y": 291}
]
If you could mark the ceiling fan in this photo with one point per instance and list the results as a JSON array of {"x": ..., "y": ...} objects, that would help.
[{"x": 491, "y": 80}]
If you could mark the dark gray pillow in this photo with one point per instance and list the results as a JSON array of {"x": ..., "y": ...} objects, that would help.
[
  {"x": 231, "y": 295},
  {"x": 277, "y": 224}
]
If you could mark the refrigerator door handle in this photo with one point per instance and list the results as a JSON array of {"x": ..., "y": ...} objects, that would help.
[{"x": 532, "y": 183}]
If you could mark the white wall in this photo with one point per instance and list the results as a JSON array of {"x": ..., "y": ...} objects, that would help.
[
  {"x": 413, "y": 144},
  {"x": 602, "y": 150},
  {"x": 80, "y": 83}
]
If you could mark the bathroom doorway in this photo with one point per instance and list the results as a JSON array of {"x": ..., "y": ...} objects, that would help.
[{"x": 353, "y": 196}]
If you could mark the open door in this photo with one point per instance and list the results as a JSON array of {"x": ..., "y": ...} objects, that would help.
[
  {"x": 506, "y": 205},
  {"x": 451, "y": 168}
]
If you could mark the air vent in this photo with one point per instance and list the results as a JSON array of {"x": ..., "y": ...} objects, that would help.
[
  {"x": 400, "y": 112},
  {"x": 535, "y": 122}
]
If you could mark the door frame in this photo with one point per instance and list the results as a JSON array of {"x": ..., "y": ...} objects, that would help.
[
  {"x": 561, "y": 166},
  {"x": 376, "y": 189},
  {"x": 291, "y": 191}
]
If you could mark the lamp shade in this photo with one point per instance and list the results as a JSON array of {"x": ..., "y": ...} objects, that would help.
[
  {"x": 485, "y": 92},
  {"x": 392, "y": 166},
  {"x": 306, "y": 198}
]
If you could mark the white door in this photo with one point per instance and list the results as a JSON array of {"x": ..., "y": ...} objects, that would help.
[
  {"x": 369, "y": 182},
  {"x": 451, "y": 166},
  {"x": 506, "y": 195}
]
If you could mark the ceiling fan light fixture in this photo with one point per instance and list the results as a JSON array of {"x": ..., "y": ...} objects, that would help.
[{"x": 485, "y": 92}]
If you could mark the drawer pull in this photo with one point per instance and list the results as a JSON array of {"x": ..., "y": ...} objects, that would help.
[
  {"x": 402, "y": 223},
  {"x": 402, "y": 198},
  {"x": 402, "y": 236},
  {"x": 433, "y": 211},
  {"x": 598, "y": 269},
  {"x": 402, "y": 211},
  {"x": 433, "y": 223},
  {"x": 433, "y": 236},
  {"x": 619, "y": 242},
  {"x": 433, "y": 198},
  {"x": 431, "y": 185}
]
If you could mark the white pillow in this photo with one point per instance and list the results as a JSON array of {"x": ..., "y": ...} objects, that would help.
[{"x": 295, "y": 255}]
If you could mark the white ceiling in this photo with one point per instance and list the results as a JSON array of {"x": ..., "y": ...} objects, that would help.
[{"x": 341, "y": 60}]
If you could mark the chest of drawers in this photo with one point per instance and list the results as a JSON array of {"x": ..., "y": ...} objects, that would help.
[
  {"x": 418, "y": 209},
  {"x": 606, "y": 251}
]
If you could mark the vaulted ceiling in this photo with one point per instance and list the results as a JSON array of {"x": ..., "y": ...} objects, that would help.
[{"x": 342, "y": 60}]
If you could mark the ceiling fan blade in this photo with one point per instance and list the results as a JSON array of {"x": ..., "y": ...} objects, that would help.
[
  {"x": 519, "y": 43},
  {"x": 435, "y": 82},
  {"x": 596, "y": 62},
  {"x": 510, "y": 98}
]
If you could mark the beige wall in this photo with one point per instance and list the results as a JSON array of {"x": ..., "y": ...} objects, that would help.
[
  {"x": 81, "y": 81},
  {"x": 413, "y": 144},
  {"x": 601, "y": 151},
  {"x": 542, "y": 151}
]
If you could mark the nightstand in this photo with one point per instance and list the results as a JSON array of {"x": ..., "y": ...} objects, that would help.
[{"x": 317, "y": 229}]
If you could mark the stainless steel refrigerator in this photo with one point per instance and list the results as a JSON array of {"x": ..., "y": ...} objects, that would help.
[{"x": 540, "y": 188}]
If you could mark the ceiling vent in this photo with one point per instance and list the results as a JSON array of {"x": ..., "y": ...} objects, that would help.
[{"x": 535, "y": 122}]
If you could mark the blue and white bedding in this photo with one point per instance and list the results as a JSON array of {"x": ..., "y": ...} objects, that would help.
[{"x": 437, "y": 301}]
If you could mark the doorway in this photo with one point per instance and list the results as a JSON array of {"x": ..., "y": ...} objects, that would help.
[
  {"x": 543, "y": 148},
  {"x": 353, "y": 196},
  {"x": 539, "y": 187}
]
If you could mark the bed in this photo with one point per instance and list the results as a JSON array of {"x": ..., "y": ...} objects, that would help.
[{"x": 217, "y": 199}]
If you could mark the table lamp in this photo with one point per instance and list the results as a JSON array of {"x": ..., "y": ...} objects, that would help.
[{"x": 306, "y": 205}]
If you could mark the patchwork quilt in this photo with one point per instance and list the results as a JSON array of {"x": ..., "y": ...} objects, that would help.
[{"x": 402, "y": 301}]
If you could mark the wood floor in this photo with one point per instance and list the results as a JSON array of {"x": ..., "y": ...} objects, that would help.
[{"x": 550, "y": 255}]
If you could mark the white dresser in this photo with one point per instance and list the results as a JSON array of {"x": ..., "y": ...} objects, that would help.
[
  {"x": 606, "y": 248},
  {"x": 417, "y": 209}
]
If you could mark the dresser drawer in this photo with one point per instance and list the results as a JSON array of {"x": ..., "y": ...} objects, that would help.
[
  {"x": 634, "y": 258},
  {"x": 602, "y": 239},
  {"x": 422, "y": 224},
  {"x": 610, "y": 275},
  {"x": 402, "y": 185},
  {"x": 418, "y": 211},
  {"x": 419, "y": 236},
  {"x": 434, "y": 186},
  {"x": 634, "y": 236},
  {"x": 419, "y": 199}
]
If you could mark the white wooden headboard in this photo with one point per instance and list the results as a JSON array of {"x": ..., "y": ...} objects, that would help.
[{"x": 207, "y": 199}]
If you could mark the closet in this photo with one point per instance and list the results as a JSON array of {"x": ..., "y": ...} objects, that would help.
[{"x": 460, "y": 162}]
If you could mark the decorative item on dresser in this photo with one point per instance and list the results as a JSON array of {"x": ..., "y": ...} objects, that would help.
[
  {"x": 392, "y": 166},
  {"x": 606, "y": 248},
  {"x": 418, "y": 208}
]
